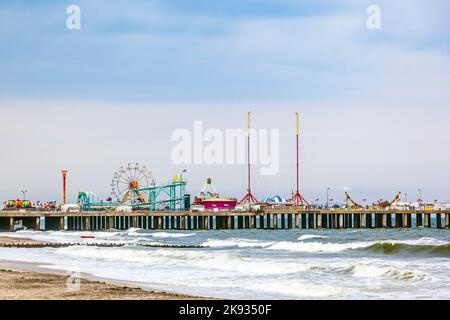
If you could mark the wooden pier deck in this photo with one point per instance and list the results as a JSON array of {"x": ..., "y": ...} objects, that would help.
[{"x": 267, "y": 219}]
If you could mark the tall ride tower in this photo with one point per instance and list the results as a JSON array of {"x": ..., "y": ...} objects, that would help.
[
  {"x": 64, "y": 176},
  {"x": 297, "y": 198},
  {"x": 249, "y": 198}
]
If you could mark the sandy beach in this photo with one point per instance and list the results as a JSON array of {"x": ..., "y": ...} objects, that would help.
[{"x": 27, "y": 281}]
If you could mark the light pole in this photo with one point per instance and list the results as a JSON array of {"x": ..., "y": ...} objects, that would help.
[
  {"x": 420, "y": 197},
  {"x": 406, "y": 197},
  {"x": 328, "y": 197},
  {"x": 181, "y": 174},
  {"x": 24, "y": 192}
]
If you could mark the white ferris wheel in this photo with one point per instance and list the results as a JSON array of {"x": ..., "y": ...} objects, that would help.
[{"x": 128, "y": 181}]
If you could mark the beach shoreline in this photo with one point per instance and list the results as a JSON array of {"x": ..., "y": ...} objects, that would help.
[{"x": 30, "y": 281}]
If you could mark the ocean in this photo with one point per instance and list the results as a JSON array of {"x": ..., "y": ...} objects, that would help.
[{"x": 261, "y": 264}]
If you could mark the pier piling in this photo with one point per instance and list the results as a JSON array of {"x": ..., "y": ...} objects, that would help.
[
  {"x": 427, "y": 220},
  {"x": 303, "y": 221},
  {"x": 311, "y": 221},
  {"x": 318, "y": 221},
  {"x": 438, "y": 221}
]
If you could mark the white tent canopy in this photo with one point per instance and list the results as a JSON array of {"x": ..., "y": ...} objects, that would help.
[{"x": 276, "y": 199}]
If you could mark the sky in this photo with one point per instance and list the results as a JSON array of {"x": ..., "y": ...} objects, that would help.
[{"x": 374, "y": 104}]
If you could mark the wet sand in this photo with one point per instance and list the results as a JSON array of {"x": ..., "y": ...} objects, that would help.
[
  {"x": 16, "y": 240},
  {"x": 27, "y": 281}
]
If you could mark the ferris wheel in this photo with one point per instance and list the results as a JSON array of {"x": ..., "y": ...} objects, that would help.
[{"x": 127, "y": 182}]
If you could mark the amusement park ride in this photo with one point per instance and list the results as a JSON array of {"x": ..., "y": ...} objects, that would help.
[
  {"x": 350, "y": 203},
  {"x": 18, "y": 204},
  {"x": 248, "y": 198},
  {"x": 298, "y": 199},
  {"x": 209, "y": 199},
  {"x": 133, "y": 186},
  {"x": 208, "y": 191},
  {"x": 27, "y": 204}
]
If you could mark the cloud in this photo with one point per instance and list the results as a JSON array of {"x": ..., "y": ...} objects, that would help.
[{"x": 159, "y": 51}]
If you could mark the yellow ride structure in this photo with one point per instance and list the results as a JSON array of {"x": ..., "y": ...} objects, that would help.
[{"x": 349, "y": 200}]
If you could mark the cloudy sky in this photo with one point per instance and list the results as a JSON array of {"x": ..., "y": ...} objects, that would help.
[{"x": 374, "y": 104}]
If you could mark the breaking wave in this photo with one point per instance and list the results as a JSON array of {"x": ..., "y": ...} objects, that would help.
[
  {"x": 236, "y": 242},
  {"x": 285, "y": 245},
  {"x": 316, "y": 246},
  {"x": 171, "y": 235},
  {"x": 310, "y": 236},
  {"x": 400, "y": 247},
  {"x": 428, "y": 246},
  {"x": 362, "y": 270}
]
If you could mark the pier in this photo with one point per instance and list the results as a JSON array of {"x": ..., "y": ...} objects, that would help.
[{"x": 272, "y": 219}]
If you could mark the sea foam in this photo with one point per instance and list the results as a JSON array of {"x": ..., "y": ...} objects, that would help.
[
  {"x": 171, "y": 235},
  {"x": 310, "y": 236}
]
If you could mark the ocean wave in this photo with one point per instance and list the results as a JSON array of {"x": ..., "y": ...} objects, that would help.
[
  {"x": 428, "y": 246},
  {"x": 317, "y": 246},
  {"x": 310, "y": 236},
  {"x": 134, "y": 232},
  {"x": 410, "y": 248},
  {"x": 62, "y": 236},
  {"x": 218, "y": 261},
  {"x": 362, "y": 270},
  {"x": 139, "y": 240},
  {"x": 423, "y": 245},
  {"x": 236, "y": 242},
  {"x": 296, "y": 289},
  {"x": 171, "y": 235},
  {"x": 131, "y": 254},
  {"x": 285, "y": 245}
]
